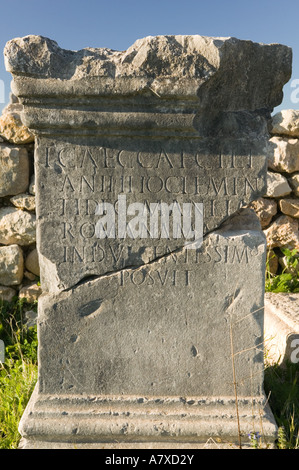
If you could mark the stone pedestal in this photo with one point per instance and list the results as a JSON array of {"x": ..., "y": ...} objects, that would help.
[
  {"x": 149, "y": 337},
  {"x": 282, "y": 327}
]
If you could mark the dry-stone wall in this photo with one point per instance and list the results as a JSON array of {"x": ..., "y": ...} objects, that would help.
[
  {"x": 19, "y": 268},
  {"x": 278, "y": 210}
]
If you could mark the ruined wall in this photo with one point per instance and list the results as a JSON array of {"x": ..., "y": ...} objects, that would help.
[
  {"x": 278, "y": 210},
  {"x": 19, "y": 268}
]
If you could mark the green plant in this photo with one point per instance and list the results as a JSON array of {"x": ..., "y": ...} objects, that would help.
[
  {"x": 288, "y": 279},
  {"x": 17, "y": 380},
  {"x": 281, "y": 384},
  {"x": 255, "y": 438},
  {"x": 18, "y": 374}
]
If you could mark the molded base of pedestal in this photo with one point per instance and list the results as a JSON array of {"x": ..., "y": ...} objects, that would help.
[{"x": 110, "y": 422}]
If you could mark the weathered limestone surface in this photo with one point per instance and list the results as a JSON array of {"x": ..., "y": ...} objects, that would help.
[
  {"x": 7, "y": 293},
  {"x": 286, "y": 123},
  {"x": 282, "y": 327},
  {"x": 146, "y": 326},
  {"x": 17, "y": 226},
  {"x": 156, "y": 369},
  {"x": 30, "y": 292},
  {"x": 290, "y": 207},
  {"x": 273, "y": 263},
  {"x": 265, "y": 209},
  {"x": 11, "y": 265},
  {"x": 32, "y": 185},
  {"x": 134, "y": 296},
  {"x": 284, "y": 155},
  {"x": 277, "y": 185},
  {"x": 24, "y": 201},
  {"x": 11, "y": 127},
  {"x": 32, "y": 263},
  {"x": 14, "y": 170},
  {"x": 294, "y": 183},
  {"x": 283, "y": 233}
]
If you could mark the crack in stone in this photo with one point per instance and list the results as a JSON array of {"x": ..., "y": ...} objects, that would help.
[
  {"x": 108, "y": 274},
  {"x": 225, "y": 224}
]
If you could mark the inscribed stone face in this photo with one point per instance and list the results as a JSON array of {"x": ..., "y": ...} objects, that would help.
[{"x": 74, "y": 178}]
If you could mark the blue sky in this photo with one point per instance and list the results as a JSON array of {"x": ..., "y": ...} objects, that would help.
[{"x": 116, "y": 24}]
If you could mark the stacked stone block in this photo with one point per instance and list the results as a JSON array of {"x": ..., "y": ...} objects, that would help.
[
  {"x": 19, "y": 268},
  {"x": 278, "y": 210}
]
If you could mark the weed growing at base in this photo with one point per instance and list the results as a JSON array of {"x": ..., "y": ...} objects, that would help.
[
  {"x": 18, "y": 374},
  {"x": 288, "y": 279},
  {"x": 281, "y": 385}
]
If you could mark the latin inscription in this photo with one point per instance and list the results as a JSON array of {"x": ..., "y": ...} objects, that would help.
[
  {"x": 86, "y": 171},
  {"x": 86, "y": 176},
  {"x": 101, "y": 184},
  {"x": 214, "y": 254},
  {"x": 84, "y": 158}
]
